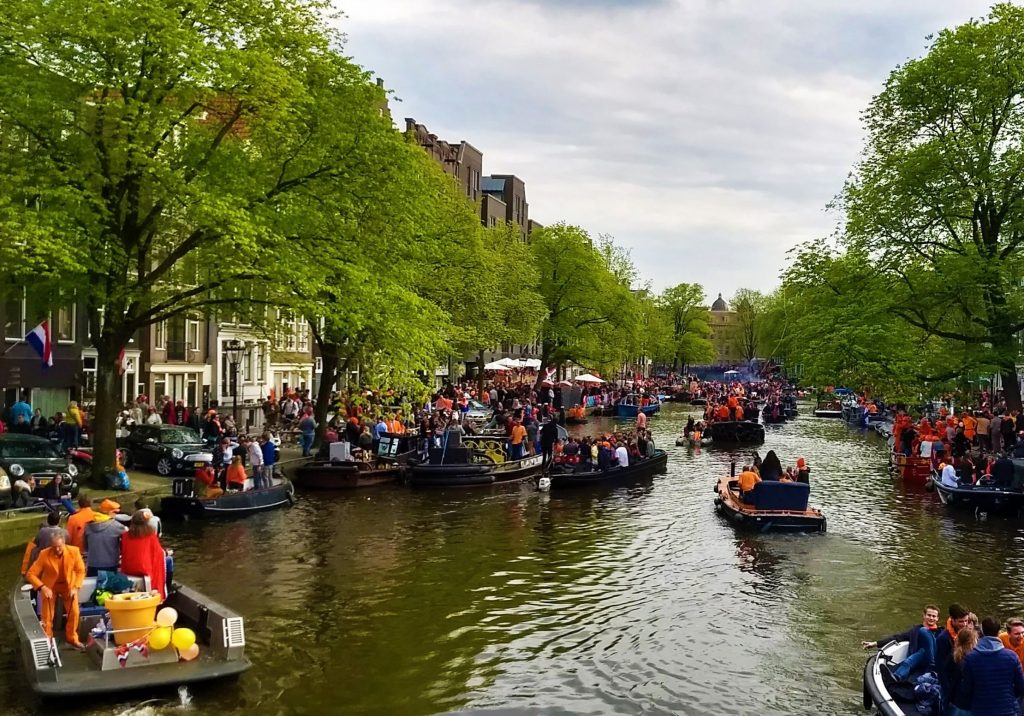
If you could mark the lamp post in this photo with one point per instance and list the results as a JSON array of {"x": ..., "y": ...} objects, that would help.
[{"x": 236, "y": 351}]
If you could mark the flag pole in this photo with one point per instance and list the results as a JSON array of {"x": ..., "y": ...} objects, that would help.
[{"x": 13, "y": 345}]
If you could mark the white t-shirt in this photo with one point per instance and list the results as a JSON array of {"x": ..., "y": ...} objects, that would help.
[
  {"x": 926, "y": 448},
  {"x": 255, "y": 454},
  {"x": 949, "y": 476},
  {"x": 622, "y": 455}
]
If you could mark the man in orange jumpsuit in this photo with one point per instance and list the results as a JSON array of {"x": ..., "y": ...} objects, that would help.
[{"x": 59, "y": 572}]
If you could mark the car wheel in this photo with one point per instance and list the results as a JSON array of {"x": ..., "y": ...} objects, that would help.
[{"x": 164, "y": 467}]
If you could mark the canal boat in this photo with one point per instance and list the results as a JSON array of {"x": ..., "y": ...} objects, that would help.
[
  {"x": 564, "y": 476},
  {"x": 336, "y": 470},
  {"x": 735, "y": 432},
  {"x": 576, "y": 420},
  {"x": 879, "y": 694},
  {"x": 913, "y": 469},
  {"x": 829, "y": 409},
  {"x": 633, "y": 404},
  {"x": 699, "y": 401},
  {"x": 689, "y": 440},
  {"x": 980, "y": 497},
  {"x": 185, "y": 503},
  {"x": 769, "y": 417},
  {"x": 104, "y": 667},
  {"x": 469, "y": 462},
  {"x": 772, "y": 506}
]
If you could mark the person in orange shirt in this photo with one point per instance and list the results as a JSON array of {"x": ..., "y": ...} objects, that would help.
[
  {"x": 77, "y": 522},
  {"x": 59, "y": 572},
  {"x": 747, "y": 479},
  {"x": 722, "y": 413},
  {"x": 970, "y": 425},
  {"x": 1013, "y": 637},
  {"x": 517, "y": 441}
]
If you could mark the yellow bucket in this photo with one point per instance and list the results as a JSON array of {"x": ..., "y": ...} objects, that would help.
[{"x": 131, "y": 618}]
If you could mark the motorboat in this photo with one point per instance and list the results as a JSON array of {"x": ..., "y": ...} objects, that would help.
[
  {"x": 980, "y": 497},
  {"x": 106, "y": 667},
  {"x": 735, "y": 432},
  {"x": 879, "y": 692},
  {"x": 633, "y": 404},
  {"x": 772, "y": 506},
  {"x": 912, "y": 469},
  {"x": 185, "y": 503},
  {"x": 576, "y": 475},
  {"x": 335, "y": 469},
  {"x": 472, "y": 462}
]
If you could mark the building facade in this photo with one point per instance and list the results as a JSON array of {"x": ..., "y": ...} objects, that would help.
[{"x": 724, "y": 327}]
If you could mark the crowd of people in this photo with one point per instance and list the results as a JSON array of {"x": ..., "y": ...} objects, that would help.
[
  {"x": 101, "y": 542},
  {"x": 965, "y": 667},
  {"x": 771, "y": 469}
]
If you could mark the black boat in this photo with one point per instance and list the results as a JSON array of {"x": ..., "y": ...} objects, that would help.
[
  {"x": 185, "y": 503},
  {"x": 772, "y": 506},
  {"x": 980, "y": 497},
  {"x": 772, "y": 419},
  {"x": 735, "y": 432},
  {"x": 472, "y": 463},
  {"x": 877, "y": 685},
  {"x": 577, "y": 476},
  {"x": 699, "y": 401},
  {"x": 57, "y": 671}
]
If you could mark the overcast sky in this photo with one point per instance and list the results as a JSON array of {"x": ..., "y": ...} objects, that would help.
[{"x": 707, "y": 136}]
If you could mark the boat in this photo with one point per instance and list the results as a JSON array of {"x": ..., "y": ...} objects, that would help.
[
  {"x": 563, "y": 476},
  {"x": 769, "y": 419},
  {"x": 471, "y": 463},
  {"x": 576, "y": 420},
  {"x": 688, "y": 440},
  {"x": 61, "y": 672},
  {"x": 699, "y": 401},
  {"x": 878, "y": 693},
  {"x": 735, "y": 432},
  {"x": 631, "y": 406},
  {"x": 913, "y": 469},
  {"x": 346, "y": 474},
  {"x": 980, "y": 497},
  {"x": 603, "y": 411},
  {"x": 772, "y": 506},
  {"x": 339, "y": 472},
  {"x": 829, "y": 409},
  {"x": 184, "y": 503}
]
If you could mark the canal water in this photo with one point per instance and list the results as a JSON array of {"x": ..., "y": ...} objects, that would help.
[{"x": 626, "y": 601}]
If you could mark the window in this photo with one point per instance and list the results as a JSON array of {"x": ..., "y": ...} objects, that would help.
[
  {"x": 247, "y": 363},
  {"x": 260, "y": 350},
  {"x": 160, "y": 335},
  {"x": 89, "y": 378},
  {"x": 159, "y": 387},
  {"x": 192, "y": 335},
  {"x": 64, "y": 324}
]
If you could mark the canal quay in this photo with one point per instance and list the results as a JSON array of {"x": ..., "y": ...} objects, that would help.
[{"x": 630, "y": 600}]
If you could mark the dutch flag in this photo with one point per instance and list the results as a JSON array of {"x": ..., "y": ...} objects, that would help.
[{"x": 39, "y": 338}]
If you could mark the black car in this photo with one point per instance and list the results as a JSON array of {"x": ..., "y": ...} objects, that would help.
[
  {"x": 30, "y": 456},
  {"x": 168, "y": 449}
]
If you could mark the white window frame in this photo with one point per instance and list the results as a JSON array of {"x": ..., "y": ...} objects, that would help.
[
  {"x": 74, "y": 320},
  {"x": 192, "y": 332},
  {"x": 160, "y": 335}
]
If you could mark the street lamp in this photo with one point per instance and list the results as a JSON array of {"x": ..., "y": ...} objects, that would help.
[{"x": 236, "y": 351}]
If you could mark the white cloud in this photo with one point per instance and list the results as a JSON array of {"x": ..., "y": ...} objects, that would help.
[{"x": 706, "y": 136}]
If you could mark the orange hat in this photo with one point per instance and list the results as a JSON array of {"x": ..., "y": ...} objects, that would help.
[{"x": 109, "y": 506}]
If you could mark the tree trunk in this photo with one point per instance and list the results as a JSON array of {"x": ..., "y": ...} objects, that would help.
[
  {"x": 108, "y": 403},
  {"x": 480, "y": 372},
  {"x": 1011, "y": 386},
  {"x": 328, "y": 378}
]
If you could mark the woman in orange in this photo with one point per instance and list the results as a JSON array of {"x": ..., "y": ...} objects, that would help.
[
  {"x": 141, "y": 552},
  {"x": 236, "y": 474}
]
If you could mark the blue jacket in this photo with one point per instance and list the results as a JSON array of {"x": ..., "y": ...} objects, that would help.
[
  {"x": 945, "y": 667},
  {"x": 912, "y": 635},
  {"x": 992, "y": 680},
  {"x": 269, "y": 453}
]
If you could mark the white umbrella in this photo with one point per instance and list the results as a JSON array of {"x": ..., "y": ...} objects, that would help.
[
  {"x": 533, "y": 363},
  {"x": 510, "y": 363},
  {"x": 496, "y": 365},
  {"x": 732, "y": 372},
  {"x": 587, "y": 378}
]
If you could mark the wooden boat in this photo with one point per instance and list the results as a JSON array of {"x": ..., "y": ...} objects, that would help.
[
  {"x": 735, "y": 432},
  {"x": 630, "y": 406},
  {"x": 917, "y": 470},
  {"x": 980, "y": 498},
  {"x": 771, "y": 506},
  {"x": 563, "y": 476},
  {"x": 829, "y": 409},
  {"x": 57, "y": 671},
  {"x": 347, "y": 475},
  {"x": 877, "y": 693},
  {"x": 186, "y": 504},
  {"x": 576, "y": 421}
]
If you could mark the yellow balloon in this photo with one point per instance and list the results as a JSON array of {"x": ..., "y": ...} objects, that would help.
[
  {"x": 166, "y": 617},
  {"x": 190, "y": 653},
  {"x": 159, "y": 638},
  {"x": 183, "y": 639}
]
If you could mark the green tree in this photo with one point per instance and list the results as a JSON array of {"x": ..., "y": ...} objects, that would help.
[
  {"x": 160, "y": 155},
  {"x": 936, "y": 206},
  {"x": 684, "y": 309},
  {"x": 749, "y": 306},
  {"x": 591, "y": 312}
]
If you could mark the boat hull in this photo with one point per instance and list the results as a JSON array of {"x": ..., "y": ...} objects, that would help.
[
  {"x": 474, "y": 474},
  {"x": 828, "y": 413},
  {"x": 980, "y": 499},
  {"x": 230, "y": 504},
  {"x": 917, "y": 470},
  {"x": 876, "y": 694},
  {"x": 345, "y": 476},
  {"x": 576, "y": 421},
  {"x": 616, "y": 475},
  {"x": 744, "y": 517},
  {"x": 736, "y": 432},
  {"x": 631, "y": 411}
]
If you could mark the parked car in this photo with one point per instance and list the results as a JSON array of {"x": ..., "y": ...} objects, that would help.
[
  {"x": 168, "y": 449},
  {"x": 24, "y": 456},
  {"x": 478, "y": 411}
]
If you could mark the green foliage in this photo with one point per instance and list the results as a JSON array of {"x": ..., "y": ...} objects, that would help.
[
  {"x": 685, "y": 316},
  {"x": 749, "y": 306}
]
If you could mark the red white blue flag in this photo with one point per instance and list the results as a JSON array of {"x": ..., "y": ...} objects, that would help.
[{"x": 39, "y": 339}]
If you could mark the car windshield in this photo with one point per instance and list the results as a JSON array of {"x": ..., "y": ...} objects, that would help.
[
  {"x": 477, "y": 405},
  {"x": 178, "y": 436},
  {"x": 10, "y": 449}
]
